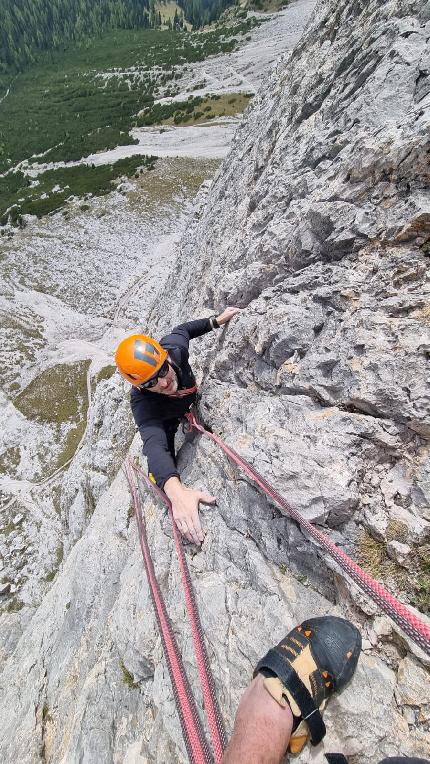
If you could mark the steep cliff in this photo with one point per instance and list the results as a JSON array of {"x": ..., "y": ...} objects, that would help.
[{"x": 318, "y": 226}]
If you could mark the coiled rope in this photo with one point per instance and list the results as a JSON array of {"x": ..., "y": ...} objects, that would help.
[{"x": 413, "y": 626}]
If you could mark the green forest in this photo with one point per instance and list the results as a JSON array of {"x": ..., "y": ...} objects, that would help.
[
  {"x": 30, "y": 28},
  {"x": 202, "y": 12},
  {"x": 73, "y": 99},
  {"x": 79, "y": 104}
]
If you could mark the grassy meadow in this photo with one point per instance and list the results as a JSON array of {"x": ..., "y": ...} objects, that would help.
[{"x": 194, "y": 111}]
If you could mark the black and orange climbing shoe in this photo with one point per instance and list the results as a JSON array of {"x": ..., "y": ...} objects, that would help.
[{"x": 314, "y": 660}]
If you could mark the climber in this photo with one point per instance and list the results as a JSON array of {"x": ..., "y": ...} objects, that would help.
[
  {"x": 291, "y": 686},
  {"x": 164, "y": 388}
]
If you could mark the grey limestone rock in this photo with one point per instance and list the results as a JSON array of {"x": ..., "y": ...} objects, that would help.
[{"x": 399, "y": 552}]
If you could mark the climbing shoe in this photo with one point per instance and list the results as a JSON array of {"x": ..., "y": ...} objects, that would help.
[{"x": 312, "y": 662}]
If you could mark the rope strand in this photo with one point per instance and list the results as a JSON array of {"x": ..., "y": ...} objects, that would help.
[
  {"x": 413, "y": 626},
  {"x": 192, "y": 729},
  {"x": 213, "y": 713}
]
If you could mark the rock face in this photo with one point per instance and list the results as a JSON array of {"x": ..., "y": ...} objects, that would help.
[{"x": 318, "y": 226}]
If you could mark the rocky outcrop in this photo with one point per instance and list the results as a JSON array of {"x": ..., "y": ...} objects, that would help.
[{"x": 318, "y": 226}]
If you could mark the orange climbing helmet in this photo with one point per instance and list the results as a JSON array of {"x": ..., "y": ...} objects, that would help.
[{"x": 139, "y": 357}]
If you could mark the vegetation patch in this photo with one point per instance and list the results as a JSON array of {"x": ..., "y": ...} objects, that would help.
[
  {"x": 9, "y": 460},
  {"x": 90, "y": 502},
  {"x": 414, "y": 586},
  {"x": 127, "y": 678},
  {"x": 19, "y": 196},
  {"x": 8, "y": 528},
  {"x": 32, "y": 29},
  {"x": 421, "y": 595},
  {"x": 106, "y": 373},
  {"x": 195, "y": 110},
  {"x": 161, "y": 187},
  {"x": 70, "y": 445},
  {"x": 397, "y": 531},
  {"x": 374, "y": 559},
  {"x": 168, "y": 113},
  {"x": 426, "y": 248},
  {"x": 46, "y": 716},
  {"x": 267, "y": 6},
  {"x": 57, "y": 395},
  {"x": 65, "y": 114},
  {"x": 14, "y": 605},
  {"x": 56, "y": 494},
  {"x": 58, "y": 560}
]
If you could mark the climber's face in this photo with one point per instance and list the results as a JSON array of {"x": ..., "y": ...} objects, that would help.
[{"x": 167, "y": 385}]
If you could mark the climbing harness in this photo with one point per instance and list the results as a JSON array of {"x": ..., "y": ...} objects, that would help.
[
  {"x": 194, "y": 735},
  {"x": 413, "y": 626}
]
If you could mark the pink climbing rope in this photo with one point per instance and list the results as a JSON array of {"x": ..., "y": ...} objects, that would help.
[
  {"x": 400, "y": 613},
  {"x": 215, "y": 721},
  {"x": 192, "y": 729}
]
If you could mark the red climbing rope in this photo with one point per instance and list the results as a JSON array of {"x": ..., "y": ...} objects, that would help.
[
  {"x": 400, "y": 614},
  {"x": 215, "y": 721},
  {"x": 192, "y": 729}
]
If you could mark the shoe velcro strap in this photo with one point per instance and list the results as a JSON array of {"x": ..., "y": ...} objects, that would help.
[{"x": 292, "y": 682}]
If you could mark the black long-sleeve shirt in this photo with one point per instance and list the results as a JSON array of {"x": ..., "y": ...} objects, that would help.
[{"x": 155, "y": 414}]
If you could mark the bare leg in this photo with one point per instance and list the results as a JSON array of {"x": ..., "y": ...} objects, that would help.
[{"x": 262, "y": 728}]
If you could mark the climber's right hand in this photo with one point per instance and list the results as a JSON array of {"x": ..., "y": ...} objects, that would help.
[{"x": 185, "y": 507}]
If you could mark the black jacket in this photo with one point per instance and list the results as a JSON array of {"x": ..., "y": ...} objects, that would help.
[{"x": 157, "y": 416}]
